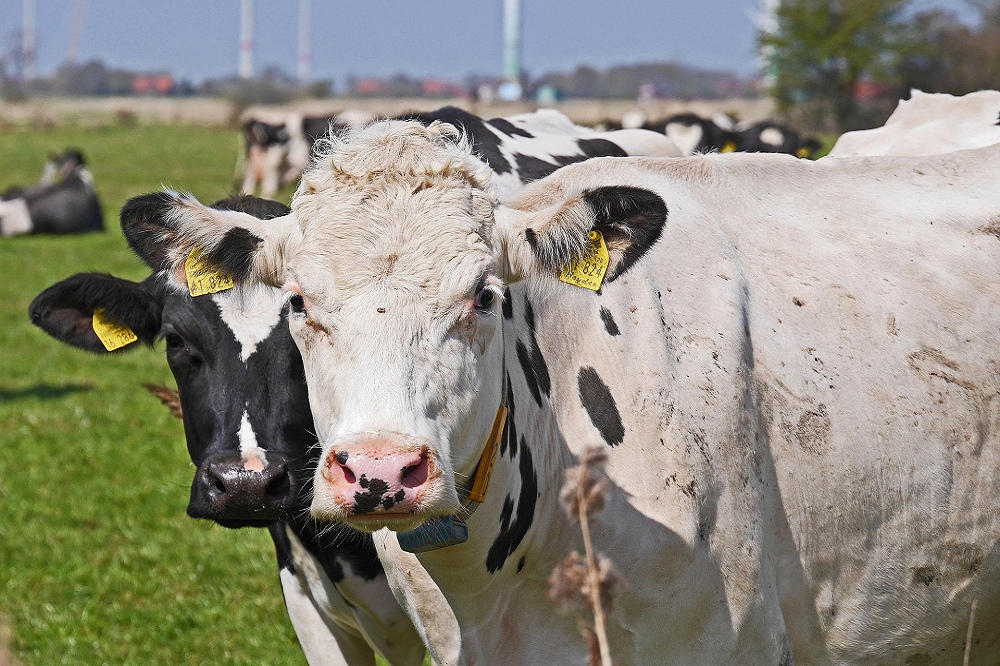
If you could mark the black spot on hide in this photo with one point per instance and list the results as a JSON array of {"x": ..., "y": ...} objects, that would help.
[
  {"x": 508, "y": 439},
  {"x": 509, "y": 128},
  {"x": 507, "y": 307},
  {"x": 609, "y": 322},
  {"x": 485, "y": 143},
  {"x": 631, "y": 220},
  {"x": 600, "y": 148},
  {"x": 600, "y": 406},
  {"x": 235, "y": 253},
  {"x": 536, "y": 371},
  {"x": 531, "y": 168},
  {"x": 531, "y": 237},
  {"x": 366, "y": 502},
  {"x": 512, "y": 533}
]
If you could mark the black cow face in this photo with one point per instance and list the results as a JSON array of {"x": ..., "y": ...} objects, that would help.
[{"x": 239, "y": 377}]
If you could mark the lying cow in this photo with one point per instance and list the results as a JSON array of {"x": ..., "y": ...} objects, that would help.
[
  {"x": 929, "y": 124},
  {"x": 64, "y": 202},
  {"x": 252, "y": 446},
  {"x": 792, "y": 364}
]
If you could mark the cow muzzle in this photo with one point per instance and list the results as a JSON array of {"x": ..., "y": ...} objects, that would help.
[
  {"x": 375, "y": 479},
  {"x": 234, "y": 495}
]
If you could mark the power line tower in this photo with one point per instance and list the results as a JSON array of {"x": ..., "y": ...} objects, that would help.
[
  {"x": 79, "y": 15},
  {"x": 305, "y": 52},
  {"x": 28, "y": 42},
  {"x": 511, "y": 88},
  {"x": 246, "y": 39}
]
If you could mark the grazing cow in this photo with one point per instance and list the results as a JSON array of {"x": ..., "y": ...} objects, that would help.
[
  {"x": 250, "y": 434},
  {"x": 770, "y": 137},
  {"x": 68, "y": 205},
  {"x": 929, "y": 124},
  {"x": 694, "y": 134},
  {"x": 793, "y": 366}
]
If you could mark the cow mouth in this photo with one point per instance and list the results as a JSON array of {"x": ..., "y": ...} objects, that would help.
[{"x": 395, "y": 521}]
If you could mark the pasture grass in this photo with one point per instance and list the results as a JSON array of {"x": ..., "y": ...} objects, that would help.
[{"x": 98, "y": 562}]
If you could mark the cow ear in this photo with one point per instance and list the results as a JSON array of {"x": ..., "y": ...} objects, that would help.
[
  {"x": 163, "y": 228},
  {"x": 542, "y": 242},
  {"x": 66, "y": 309}
]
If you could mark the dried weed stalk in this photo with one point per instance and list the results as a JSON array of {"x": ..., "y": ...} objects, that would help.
[
  {"x": 589, "y": 578},
  {"x": 167, "y": 396}
]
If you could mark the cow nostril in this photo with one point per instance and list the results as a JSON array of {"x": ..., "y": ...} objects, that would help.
[
  {"x": 348, "y": 474},
  {"x": 278, "y": 488},
  {"x": 217, "y": 484},
  {"x": 415, "y": 475}
]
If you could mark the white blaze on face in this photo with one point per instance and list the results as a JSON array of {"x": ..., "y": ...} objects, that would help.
[
  {"x": 254, "y": 457},
  {"x": 250, "y": 315}
]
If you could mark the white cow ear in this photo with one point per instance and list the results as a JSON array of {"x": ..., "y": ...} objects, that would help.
[
  {"x": 539, "y": 243},
  {"x": 165, "y": 227}
]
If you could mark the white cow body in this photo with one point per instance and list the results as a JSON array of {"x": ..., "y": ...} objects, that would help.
[
  {"x": 794, "y": 366},
  {"x": 929, "y": 124}
]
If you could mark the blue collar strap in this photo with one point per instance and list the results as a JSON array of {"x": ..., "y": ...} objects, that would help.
[{"x": 443, "y": 531}]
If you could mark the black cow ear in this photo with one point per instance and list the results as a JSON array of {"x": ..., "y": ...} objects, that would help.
[
  {"x": 145, "y": 225},
  {"x": 631, "y": 220},
  {"x": 66, "y": 309}
]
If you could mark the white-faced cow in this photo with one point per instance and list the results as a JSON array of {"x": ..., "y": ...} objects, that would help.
[
  {"x": 250, "y": 434},
  {"x": 929, "y": 124},
  {"x": 793, "y": 365},
  {"x": 64, "y": 202}
]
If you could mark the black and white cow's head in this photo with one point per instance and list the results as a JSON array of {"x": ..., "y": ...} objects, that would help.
[
  {"x": 238, "y": 372},
  {"x": 394, "y": 261}
]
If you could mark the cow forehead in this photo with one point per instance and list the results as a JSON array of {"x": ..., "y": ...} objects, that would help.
[
  {"x": 250, "y": 313},
  {"x": 431, "y": 242}
]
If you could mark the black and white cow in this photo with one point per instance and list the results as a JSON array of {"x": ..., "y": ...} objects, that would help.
[
  {"x": 63, "y": 202},
  {"x": 250, "y": 433},
  {"x": 695, "y": 134},
  {"x": 278, "y": 148},
  {"x": 768, "y": 136}
]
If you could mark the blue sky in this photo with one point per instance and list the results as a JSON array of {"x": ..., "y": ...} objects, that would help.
[{"x": 445, "y": 38}]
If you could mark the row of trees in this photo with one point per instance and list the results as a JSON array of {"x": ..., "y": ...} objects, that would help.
[{"x": 821, "y": 52}]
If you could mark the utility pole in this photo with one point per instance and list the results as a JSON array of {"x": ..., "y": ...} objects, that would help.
[
  {"x": 305, "y": 52},
  {"x": 510, "y": 90},
  {"x": 28, "y": 42},
  {"x": 246, "y": 39}
]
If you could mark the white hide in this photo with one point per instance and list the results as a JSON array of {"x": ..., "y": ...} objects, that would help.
[
  {"x": 15, "y": 220},
  {"x": 929, "y": 124}
]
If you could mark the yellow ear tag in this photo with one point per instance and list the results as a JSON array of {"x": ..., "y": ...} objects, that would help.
[
  {"x": 729, "y": 147},
  {"x": 588, "y": 270},
  {"x": 113, "y": 336},
  {"x": 204, "y": 277},
  {"x": 803, "y": 153}
]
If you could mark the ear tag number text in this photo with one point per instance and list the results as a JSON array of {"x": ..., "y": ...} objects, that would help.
[
  {"x": 204, "y": 277},
  {"x": 113, "y": 336},
  {"x": 588, "y": 269}
]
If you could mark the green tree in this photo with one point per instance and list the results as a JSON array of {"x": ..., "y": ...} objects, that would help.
[{"x": 819, "y": 50}]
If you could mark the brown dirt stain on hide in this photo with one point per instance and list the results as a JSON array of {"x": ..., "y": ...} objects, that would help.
[
  {"x": 796, "y": 419},
  {"x": 991, "y": 228},
  {"x": 890, "y": 324},
  {"x": 952, "y": 563}
]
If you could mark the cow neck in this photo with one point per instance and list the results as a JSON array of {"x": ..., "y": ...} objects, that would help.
[{"x": 444, "y": 531}]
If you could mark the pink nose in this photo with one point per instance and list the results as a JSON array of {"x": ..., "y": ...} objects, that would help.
[{"x": 382, "y": 479}]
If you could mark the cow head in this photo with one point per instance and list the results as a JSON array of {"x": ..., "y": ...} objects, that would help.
[
  {"x": 238, "y": 373},
  {"x": 394, "y": 263}
]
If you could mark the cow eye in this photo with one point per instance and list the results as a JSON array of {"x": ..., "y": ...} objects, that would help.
[
  {"x": 173, "y": 341},
  {"x": 298, "y": 304},
  {"x": 484, "y": 297}
]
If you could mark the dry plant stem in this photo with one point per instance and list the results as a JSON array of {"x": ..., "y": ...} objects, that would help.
[
  {"x": 968, "y": 636},
  {"x": 595, "y": 582}
]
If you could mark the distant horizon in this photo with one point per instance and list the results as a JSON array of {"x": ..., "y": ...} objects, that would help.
[{"x": 445, "y": 39}]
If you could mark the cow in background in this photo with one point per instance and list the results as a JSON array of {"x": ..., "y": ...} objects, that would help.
[
  {"x": 694, "y": 134},
  {"x": 63, "y": 202},
  {"x": 929, "y": 124},
  {"x": 278, "y": 146}
]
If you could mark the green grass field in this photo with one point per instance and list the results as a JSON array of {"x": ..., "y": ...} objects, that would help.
[{"x": 98, "y": 562}]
